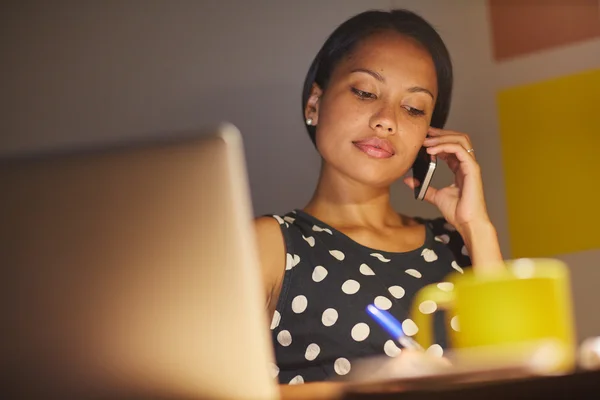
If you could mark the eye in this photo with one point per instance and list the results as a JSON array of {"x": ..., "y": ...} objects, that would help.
[
  {"x": 362, "y": 94},
  {"x": 415, "y": 112}
]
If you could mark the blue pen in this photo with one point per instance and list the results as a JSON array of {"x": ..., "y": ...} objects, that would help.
[{"x": 393, "y": 327}]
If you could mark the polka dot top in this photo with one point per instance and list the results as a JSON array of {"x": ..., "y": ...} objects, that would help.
[{"x": 320, "y": 325}]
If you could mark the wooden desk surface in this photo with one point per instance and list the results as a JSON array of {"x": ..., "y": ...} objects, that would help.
[
  {"x": 579, "y": 385},
  {"x": 573, "y": 386}
]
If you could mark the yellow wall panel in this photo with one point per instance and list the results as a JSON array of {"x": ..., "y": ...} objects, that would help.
[{"x": 550, "y": 135}]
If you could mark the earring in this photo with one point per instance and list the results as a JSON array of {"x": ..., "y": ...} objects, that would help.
[{"x": 309, "y": 121}]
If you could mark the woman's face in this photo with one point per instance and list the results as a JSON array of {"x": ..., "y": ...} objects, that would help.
[{"x": 375, "y": 113}]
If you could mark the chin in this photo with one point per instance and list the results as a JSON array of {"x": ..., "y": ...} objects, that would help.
[
  {"x": 373, "y": 177},
  {"x": 369, "y": 172}
]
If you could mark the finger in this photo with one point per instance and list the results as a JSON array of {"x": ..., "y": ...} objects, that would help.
[
  {"x": 443, "y": 156},
  {"x": 450, "y": 160},
  {"x": 442, "y": 132},
  {"x": 461, "y": 139},
  {"x": 437, "y": 132},
  {"x": 457, "y": 150},
  {"x": 421, "y": 362},
  {"x": 411, "y": 182}
]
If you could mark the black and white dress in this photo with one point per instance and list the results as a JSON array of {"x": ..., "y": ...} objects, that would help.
[{"x": 320, "y": 325}]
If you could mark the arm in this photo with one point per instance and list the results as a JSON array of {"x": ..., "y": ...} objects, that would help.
[
  {"x": 482, "y": 244},
  {"x": 271, "y": 252},
  {"x": 463, "y": 203}
]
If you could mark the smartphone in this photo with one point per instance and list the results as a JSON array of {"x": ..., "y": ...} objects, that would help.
[{"x": 423, "y": 170}]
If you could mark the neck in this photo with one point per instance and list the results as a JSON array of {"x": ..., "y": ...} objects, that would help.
[{"x": 342, "y": 201}]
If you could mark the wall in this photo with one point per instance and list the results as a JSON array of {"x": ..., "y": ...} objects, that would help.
[
  {"x": 465, "y": 26},
  {"x": 76, "y": 73}
]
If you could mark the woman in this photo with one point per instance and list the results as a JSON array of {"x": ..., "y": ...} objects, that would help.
[{"x": 377, "y": 91}]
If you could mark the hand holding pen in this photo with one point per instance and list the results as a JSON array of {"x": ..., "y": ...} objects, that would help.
[
  {"x": 419, "y": 361},
  {"x": 393, "y": 327}
]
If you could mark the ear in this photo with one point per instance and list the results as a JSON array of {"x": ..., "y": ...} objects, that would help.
[{"x": 311, "y": 110}]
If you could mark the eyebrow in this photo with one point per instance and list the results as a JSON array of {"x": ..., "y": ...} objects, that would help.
[
  {"x": 414, "y": 89},
  {"x": 370, "y": 72},
  {"x": 418, "y": 89}
]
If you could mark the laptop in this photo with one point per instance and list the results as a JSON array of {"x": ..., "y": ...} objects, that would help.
[{"x": 131, "y": 272}]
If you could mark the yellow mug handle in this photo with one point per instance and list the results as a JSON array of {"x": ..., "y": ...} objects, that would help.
[{"x": 423, "y": 308}]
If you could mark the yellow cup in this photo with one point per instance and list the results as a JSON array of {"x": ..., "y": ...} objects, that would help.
[{"x": 529, "y": 301}]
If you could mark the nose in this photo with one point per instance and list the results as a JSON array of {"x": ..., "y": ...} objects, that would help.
[{"x": 384, "y": 120}]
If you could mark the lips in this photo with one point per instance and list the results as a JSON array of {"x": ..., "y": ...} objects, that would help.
[{"x": 376, "y": 147}]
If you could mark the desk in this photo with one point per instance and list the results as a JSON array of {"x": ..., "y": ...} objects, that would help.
[{"x": 579, "y": 385}]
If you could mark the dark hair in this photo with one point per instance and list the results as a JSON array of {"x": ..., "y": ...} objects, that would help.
[{"x": 345, "y": 38}]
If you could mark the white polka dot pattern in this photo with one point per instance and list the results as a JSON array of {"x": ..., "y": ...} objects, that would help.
[
  {"x": 310, "y": 240},
  {"x": 409, "y": 327},
  {"x": 329, "y": 317},
  {"x": 380, "y": 257},
  {"x": 443, "y": 238},
  {"x": 284, "y": 338},
  {"x": 299, "y": 304},
  {"x": 435, "y": 350},
  {"x": 291, "y": 261},
  {"x": 342, "y": 366},
  {"x": 413, "y": 272},
  {"x": 464, "y": 251},
  {"x": 457, "y": 267},
  {"x": 366, "y": 270},
  {"x": 320, "y": 322},
  {"x": 312, "y": 351},
  {"x": 391, "y": 349},
  {"x": 429, "y": 255},
  {"x": 319, "y": 229},
  {"x": 276, "y": 319},
  {"x": 383, "y": 303},
  {"x": 454, "y": 323},
  {"x": 428, "y": 307},
  {"x": 319, "y": 273},
  {"x": 360, "y": 331},
  {"x": 350, "y": 286},
  {"x": 397, "y": 291}
]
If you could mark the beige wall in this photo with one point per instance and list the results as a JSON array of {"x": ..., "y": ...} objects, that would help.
[{"x": 79, "y": 73}]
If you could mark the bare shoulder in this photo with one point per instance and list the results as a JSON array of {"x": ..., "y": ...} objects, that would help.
[
  {"x": 270, "y": 238},
  {"x": 271, "y": 251},
  {"x": 267, "y": 227}
]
